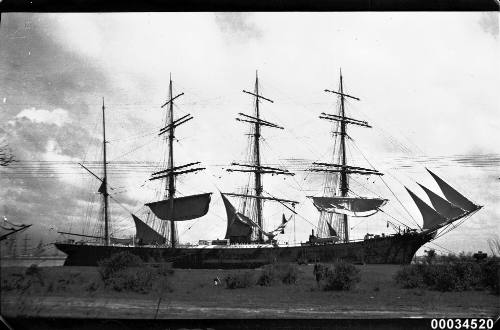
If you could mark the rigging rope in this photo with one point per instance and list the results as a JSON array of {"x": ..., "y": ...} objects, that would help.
[{"x": 363, "y": 155}]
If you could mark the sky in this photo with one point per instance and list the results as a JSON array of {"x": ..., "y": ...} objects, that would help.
[{"x": 428, "y": 84}]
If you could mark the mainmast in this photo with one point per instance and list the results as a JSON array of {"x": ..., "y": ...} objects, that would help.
[
  {"x": 256, "y": 167},
  {"x": 104, "y": 186},
  {"x": 344, "y": 183},
  {"x": 171, "y": 178},
  {"x": 258, "y": 180}
]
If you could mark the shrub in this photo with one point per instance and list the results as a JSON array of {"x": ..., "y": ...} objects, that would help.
[
  {"x": 165, "y": 269},
  {"x": 430, "y": 255},
  {"x": 490, "y": 271},
  {"x": 238, "y": 280},
  {"x": 118, "y": 262},
  {"x": 126, "y": 272},
  {"x": 268, "y": 276},
  {"x": 468, "y": 275},
  {"x": 410, "y": 276},
  {"x": 343, "y": 276},
  {"x": 92, "y": 287},
  {"x": 32, "y": 270},
  {"x": 131, "y": 279},
  {"x": 288, "y": 274},
  {"x": 441, "y": 278},
  {"x": 455, "y": 275},
  {"x": 285, "y": 273},
  {"x": 302, "y": 260}
]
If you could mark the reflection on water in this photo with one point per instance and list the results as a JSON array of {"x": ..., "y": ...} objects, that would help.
[{"x": 26, "y": 262}]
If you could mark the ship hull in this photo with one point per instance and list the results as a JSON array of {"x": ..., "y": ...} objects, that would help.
[{"x": 395, "y": 249}]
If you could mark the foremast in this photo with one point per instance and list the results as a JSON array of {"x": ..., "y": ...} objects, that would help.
[
  {"x": 255, "y": 167},
  {"x": 444, "y": 211}
]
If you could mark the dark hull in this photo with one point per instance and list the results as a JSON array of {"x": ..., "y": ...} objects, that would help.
[{"x": 396, "y": 249}]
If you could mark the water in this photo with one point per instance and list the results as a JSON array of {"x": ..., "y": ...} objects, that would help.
[{"x": 26, "y": 262}]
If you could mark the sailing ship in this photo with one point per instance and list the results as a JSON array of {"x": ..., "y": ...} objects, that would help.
[{"x": 247, "y": 242}]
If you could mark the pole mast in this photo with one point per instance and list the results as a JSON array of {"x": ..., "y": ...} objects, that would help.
[
  {"x": 171, "y": 177},
  {"x": 344, "y": 184},
  {"x": 258, "y": 179},
  {"x": 104, "y": 181}
]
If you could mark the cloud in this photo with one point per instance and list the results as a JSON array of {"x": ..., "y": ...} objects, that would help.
[
  {"x": 30, "y": 139},
  {"x": 413, "y": 74},
  {"x": 238, "y": 25},
  {"x": 57, "y": 116},
  {"x": 35, "y": 71},
  {"x": 489, "y": 23}
]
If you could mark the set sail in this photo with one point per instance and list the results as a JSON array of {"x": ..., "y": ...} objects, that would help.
[
  {"x": 184, "y": 208},
  {"x": 445, "y": 211},
  {"x": 430, "y": 216},
  {"x": 147, "y": 235},
  {"x": 238, "y": 229},
  {"x": 352, "y": 206},
  {"x": 442, "y": 212},
  {"x": 441, "y": 205},
  {"x": 452, "y": 195}
]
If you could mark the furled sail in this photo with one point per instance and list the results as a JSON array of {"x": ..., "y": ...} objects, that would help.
[
  {"x": 442, "y": 206},
  {"x": 185, "y": 208},
  {"x": 7, "y": 228},
  {"x": 353, "y": 206},
  {"x": 13, "y": 224},
  {"x": 145, "y": 234},
  {"x": 430, "y": 216},
  {"x": 280, "y": 229},
  {"x": 124, "y": 241},
  {"x": 237, "y": 227},
  {"x": 452, "y": 195}
]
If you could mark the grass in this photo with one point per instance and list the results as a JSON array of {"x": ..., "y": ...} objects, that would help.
[{"x": 376, "y": 290}]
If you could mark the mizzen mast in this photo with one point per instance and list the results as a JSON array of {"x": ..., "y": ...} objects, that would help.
[{"x": 104, "y": 187}]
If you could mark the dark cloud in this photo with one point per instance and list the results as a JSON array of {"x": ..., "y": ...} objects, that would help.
[
  {"x": 238, "y": 24},
  {"x": 36, "y": 71},
  {"x": 38, "y": 192},
  {"x": 31, "y": 139}
]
